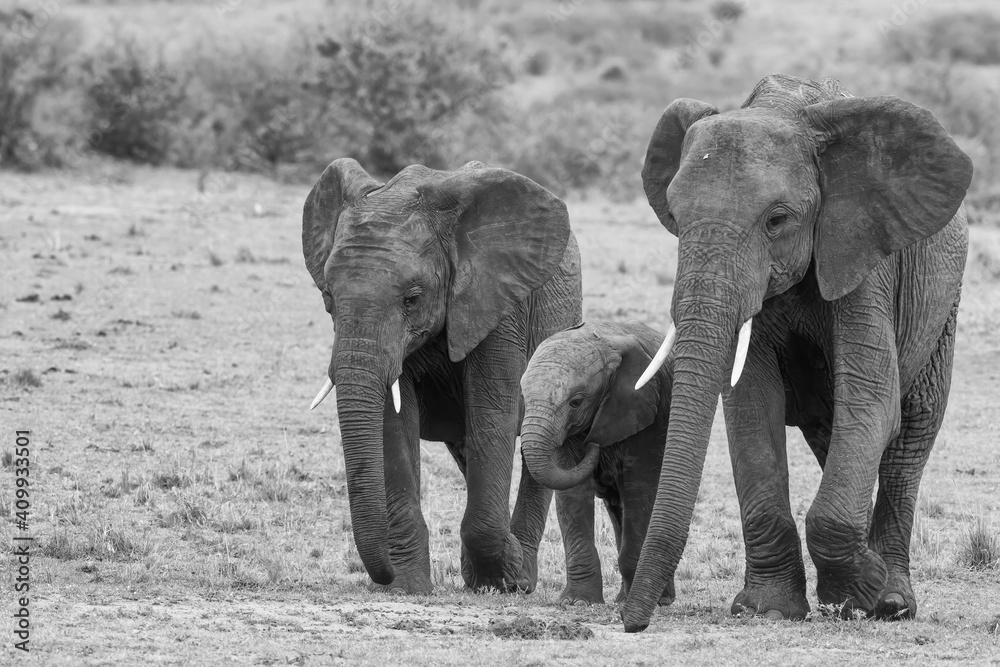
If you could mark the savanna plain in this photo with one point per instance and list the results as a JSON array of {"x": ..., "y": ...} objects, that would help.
[{"x": 162, "y": 340}]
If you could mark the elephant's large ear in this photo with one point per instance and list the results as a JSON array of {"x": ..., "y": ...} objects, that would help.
[
  {"x": 663, "y": 156},
  {"x": 342, "y": 182},
  {"x": 625, "y": 411},
  {"x": 890, "y": 176},
  {"x": 508, "y": 236}
]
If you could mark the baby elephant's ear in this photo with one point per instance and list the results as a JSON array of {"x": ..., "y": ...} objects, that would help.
[{"x": 625, "y": 411}]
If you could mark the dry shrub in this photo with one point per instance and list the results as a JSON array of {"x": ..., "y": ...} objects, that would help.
[{"x": 36, "y": 58}]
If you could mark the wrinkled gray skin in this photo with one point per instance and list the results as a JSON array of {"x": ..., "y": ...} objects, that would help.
[
  {"x": 446, "y": 281},
  {"x": 579, "y": 394},
  {"x": 836, "y": 223}
]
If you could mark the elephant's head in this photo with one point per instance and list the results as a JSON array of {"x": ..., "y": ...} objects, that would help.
[
  {"x": 803, "y": 179},
  {"x": 428, "y": 254},
  {"x": 580, "y": 386}
]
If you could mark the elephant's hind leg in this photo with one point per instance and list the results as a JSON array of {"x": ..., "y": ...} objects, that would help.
[{"x": 900, "y": 470}]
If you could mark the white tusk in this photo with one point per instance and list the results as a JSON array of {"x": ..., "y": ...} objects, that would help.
[
  {"x": 395, "y": 395},
  {"x": 661, "y": 356},
  {"x": 742, "y": 345},
  {"x": 322, "y": 394}
]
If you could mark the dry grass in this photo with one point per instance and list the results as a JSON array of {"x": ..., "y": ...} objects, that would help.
[{"x": 192, "y": 468}]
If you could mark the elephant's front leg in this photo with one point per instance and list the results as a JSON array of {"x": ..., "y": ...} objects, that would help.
[
  {"x": 774, "y": 584},
  {"x": 408, "y": 539},
  {"x": 491, "y": 555},
  {"x": 866, "y": 417},
  {"x": 638, "y": 484},
  {"x": 575, "y": 511}
]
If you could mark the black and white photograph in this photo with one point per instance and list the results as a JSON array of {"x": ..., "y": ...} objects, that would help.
[{"x": 500, "y": 332}]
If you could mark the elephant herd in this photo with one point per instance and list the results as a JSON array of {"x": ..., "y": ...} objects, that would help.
[{"x": 822, "y": 241}]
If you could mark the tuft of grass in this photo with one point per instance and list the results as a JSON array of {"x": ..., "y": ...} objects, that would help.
[
  {"x": 167, "y": 480},
  {"x": 243, "y": 473},
  {"x": 113, "y": 542},
  {"x": 7, "y": 459},
  {"x": 144, "y": 494},
  {"x": 61, "y": 315},
  {"x": 244, "y": 256},
  {"x": 105, "y": 541},
  {"x": 125, "y": 485},
  {"x": 275, "y": 490},
  {"x": 979, "y": 546},
  {"x": 25, "y": 378},
  {"x": 186, "y": 314},
  {"x": 214, "y": 259},
  {"x": 60, "y": 545},
  {"x": 190, "y": 512},
  {"x": 121, "y": 271}
]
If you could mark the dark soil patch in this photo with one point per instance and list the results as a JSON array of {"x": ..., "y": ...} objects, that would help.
[{"x": 526, "y": 627}]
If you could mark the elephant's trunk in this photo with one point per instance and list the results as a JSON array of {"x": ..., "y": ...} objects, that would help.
[
  {"x": 361, "y": 395},
  {"x": 541, "y": 440},
  {"x": 706, "y": 317}
]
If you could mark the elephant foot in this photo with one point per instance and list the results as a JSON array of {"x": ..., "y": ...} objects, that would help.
[
  {"x": 405, "y": 583},
  {"x": 897, "y": 601},
  {"x": 583, "y": 593},
  {"x": 499, "y": 571},
  {"x": 856, "y": 587},
  {"x": 775, "y": 603},
  {"x": 527, "y": 581}
]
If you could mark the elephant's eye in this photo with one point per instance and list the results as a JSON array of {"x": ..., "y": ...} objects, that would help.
[
  {"x": 410, "y": 300},
  {"x": 776, "y": 222},
  {"x": 576, "y": 402}
]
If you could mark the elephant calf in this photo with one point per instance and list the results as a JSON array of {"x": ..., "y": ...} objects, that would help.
[{"x": 579, "y": 400}]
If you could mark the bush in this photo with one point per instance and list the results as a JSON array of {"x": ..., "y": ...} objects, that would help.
[
  {"x": 135, "y": 102},
  {"x": 251, "y": 106},
  {"x": 566, "y": 147},
  {"x": 972, "y": 37},
  {"x": 35, "y": 59},
  {"x": 395, "y": 86}
]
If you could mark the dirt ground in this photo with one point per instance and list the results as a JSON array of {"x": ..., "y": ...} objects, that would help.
[{"x": 162, "y": 345}]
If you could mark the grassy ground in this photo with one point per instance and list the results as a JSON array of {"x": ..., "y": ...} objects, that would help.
[{"x": 190, "y": 509}]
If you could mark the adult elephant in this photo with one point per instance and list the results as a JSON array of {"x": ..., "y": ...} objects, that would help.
[
  {"x": 440, "y": 285},
  {"x": 834, "y": 224}
]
